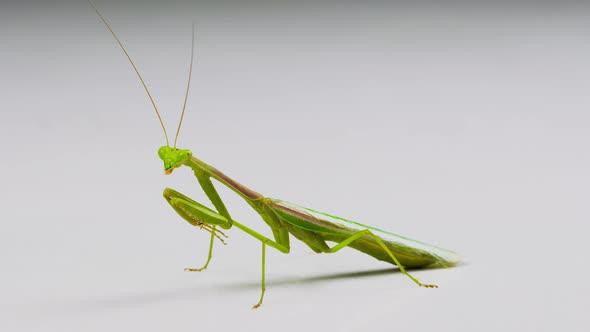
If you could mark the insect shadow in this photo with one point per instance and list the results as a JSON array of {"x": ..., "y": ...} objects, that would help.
[
  {"x": 322, "y": 278},
  {"x": 117, "y": 301}
]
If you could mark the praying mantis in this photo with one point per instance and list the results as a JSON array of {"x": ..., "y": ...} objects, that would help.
[{"x": 284, "y": 219}]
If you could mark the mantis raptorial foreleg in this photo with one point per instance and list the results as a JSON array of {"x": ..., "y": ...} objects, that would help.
[
  {"x": 198, "y": 215},
  {"x": 211, "y": 192},
  {"x": 170, "y": 195},
  {"x": 367, "y": 232},
  {"x": 201, "y": 216},
  {"x": 209, "y": 189},
  {"x": 194, "y": 212}
]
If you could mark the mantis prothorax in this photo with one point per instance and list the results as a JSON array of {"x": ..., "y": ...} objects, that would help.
[{"x": 312, "y": 227}]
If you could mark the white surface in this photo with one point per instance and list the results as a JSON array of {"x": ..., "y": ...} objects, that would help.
[{"x": 465, "y": 127}]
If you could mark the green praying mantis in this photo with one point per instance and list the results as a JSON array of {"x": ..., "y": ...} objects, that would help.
[{"x": 309, "y": 226}]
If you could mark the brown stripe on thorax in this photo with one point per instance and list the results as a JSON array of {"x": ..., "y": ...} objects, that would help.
[
  {"x": 199, "y": 166},
  {"x": 235, "y": 184}
]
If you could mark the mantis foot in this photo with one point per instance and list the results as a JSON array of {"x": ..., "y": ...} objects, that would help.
[
  {"x": 190, "y": 269},
  {"x": 428, "y": 286}
]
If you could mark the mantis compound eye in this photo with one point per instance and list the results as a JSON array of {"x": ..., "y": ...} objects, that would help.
[{"x": 163, "y": 151}]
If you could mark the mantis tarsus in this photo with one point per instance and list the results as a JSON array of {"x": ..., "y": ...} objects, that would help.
[{"x": 312, "y": 227}]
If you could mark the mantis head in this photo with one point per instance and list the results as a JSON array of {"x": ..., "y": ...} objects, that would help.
[{"x": 173, "y": 157}]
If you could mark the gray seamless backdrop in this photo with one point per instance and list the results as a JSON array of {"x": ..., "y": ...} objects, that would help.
[{"x": 462, "y": 124}]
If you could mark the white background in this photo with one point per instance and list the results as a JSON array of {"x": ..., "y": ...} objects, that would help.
[{"x": 464, "y": 126}]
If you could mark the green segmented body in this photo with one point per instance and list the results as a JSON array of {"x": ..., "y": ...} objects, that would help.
[{"x": 314, "y": 227}]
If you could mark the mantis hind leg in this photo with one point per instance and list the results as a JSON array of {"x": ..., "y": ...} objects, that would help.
[
  {"x": 174, "y": 198},
  {"x": 380, "y": 242}
]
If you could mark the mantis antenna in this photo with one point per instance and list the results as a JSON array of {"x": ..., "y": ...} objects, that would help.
[
  {"x": 188, "y": 85},
  {"x": 136, "y": 71}
]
